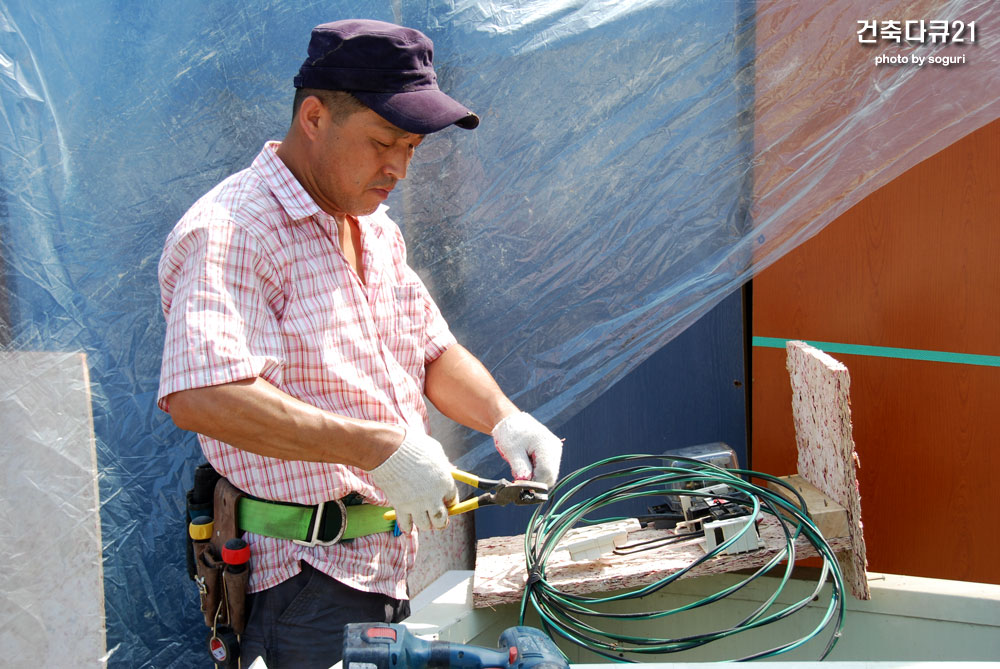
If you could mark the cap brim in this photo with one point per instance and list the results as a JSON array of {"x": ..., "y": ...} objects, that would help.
[{"x": 420, "y": 112}]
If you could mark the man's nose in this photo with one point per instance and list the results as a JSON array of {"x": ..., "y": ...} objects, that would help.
[{"x": 397, "y": 162}]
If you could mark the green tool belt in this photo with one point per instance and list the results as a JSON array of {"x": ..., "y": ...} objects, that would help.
[{"x": 323, "y": 524}]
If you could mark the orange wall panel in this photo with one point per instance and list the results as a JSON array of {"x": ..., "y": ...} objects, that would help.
[{"x": 915, "y": 265}]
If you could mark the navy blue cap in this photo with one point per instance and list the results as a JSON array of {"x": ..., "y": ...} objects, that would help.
[{"x": 387, "y": 67}]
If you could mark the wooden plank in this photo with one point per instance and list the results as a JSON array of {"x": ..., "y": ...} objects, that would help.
[
  {"x": 501, "y": 574},
  {"x": 829, "y": 516}
]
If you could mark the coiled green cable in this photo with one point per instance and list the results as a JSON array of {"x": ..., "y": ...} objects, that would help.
[{"x": 570, "y": 503}]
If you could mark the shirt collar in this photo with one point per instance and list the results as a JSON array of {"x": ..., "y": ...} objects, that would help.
[{"x": 292, "y": 197}]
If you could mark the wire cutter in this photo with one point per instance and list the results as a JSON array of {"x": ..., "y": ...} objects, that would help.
[{"x": 501, "y": 492}]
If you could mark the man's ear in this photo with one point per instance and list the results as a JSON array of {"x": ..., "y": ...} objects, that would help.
[{"x": 309, "y": 118}]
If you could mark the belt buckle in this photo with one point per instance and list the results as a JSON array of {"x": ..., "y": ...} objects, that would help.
[{"x": 317, "y": 523}]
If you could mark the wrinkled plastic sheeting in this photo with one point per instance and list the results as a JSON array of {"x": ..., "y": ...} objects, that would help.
[
  {"x": 652, "y": 156},
  {"x": 637, "y": 162}
]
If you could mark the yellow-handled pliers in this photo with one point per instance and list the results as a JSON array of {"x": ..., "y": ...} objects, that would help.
[{"x": 501, "y": 492}]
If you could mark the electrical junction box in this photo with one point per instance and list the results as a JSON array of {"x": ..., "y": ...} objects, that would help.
[
  {"x": 715, "y": 453},
  {"x": 717, "y": 532}
]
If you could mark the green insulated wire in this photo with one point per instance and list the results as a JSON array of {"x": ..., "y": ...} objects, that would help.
[{"x": 575, "y": 618}]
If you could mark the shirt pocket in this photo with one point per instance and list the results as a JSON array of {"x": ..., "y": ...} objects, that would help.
[{"x": 401, "y": 321}]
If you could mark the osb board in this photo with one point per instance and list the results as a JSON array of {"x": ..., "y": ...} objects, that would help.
[
  {"x": 500, "y": 565},
  {"x": 821, "y": 409},
  {"x": 52, "y": 583}
]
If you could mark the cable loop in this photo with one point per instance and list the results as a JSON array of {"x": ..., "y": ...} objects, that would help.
[{"x": 577, "y": 618}]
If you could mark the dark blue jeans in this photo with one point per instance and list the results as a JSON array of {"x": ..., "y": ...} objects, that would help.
[{"x": 300, "y": 622}]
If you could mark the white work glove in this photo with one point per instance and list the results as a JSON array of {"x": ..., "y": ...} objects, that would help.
[
  {"x": 531, "y": 450},
  {"x": 418, "y": 483}
]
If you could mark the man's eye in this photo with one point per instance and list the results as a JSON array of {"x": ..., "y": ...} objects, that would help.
[{"x": 381, "y": 144}]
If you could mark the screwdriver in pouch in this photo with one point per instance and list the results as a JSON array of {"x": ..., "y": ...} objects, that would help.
[
  {"x": 236, "y": 556},
  {"x": 200, "y": 531}
]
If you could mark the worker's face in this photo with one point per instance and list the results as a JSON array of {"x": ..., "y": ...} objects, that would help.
[{"x": 358, "y": 161}]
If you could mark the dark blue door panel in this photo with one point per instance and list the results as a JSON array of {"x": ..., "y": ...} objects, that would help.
[{"x": 692, "y": 391}]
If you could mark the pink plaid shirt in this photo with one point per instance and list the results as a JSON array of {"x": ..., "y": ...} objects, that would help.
[{"x": 253, "y": 283}]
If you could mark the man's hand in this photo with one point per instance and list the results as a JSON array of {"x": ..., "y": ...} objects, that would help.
[
  {"x": 418, "y": 483},
  {"x": 532, "y": 451}
]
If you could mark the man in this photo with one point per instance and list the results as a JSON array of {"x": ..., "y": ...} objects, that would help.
[{"x": 300, "y": 345}]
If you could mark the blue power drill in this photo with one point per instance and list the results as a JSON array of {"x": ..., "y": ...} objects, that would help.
[{"x": 388, "y": 646}]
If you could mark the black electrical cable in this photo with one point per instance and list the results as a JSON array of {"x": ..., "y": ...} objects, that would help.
[
  {"x": 570, "y": 501},
  {"x": 659, "y": 542}
]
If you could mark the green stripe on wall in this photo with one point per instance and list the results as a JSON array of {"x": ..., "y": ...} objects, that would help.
[{"x": 887, "y": 352}]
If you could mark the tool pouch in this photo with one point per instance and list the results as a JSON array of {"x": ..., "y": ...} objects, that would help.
[
  {"x": 236, "y": 598},
  {"x": 222, "y": 590},
  {"x": 210, "y": 586},
  {"x": 199, "y": 503},
  {"x": 226, "y": 527}
]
